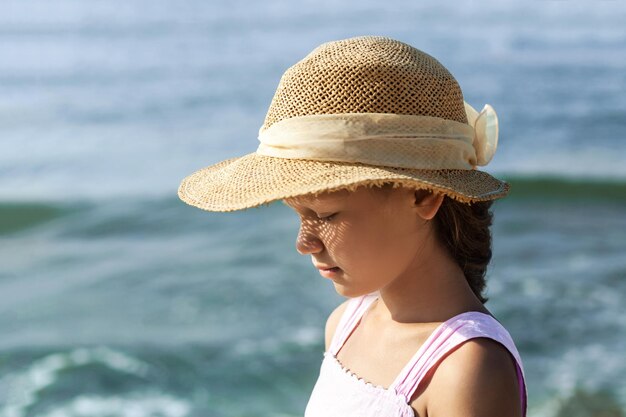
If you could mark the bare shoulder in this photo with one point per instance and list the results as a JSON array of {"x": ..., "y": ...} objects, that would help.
[
  {"x": 333, "y": 321},
  {"x": 476, "y": 379}
]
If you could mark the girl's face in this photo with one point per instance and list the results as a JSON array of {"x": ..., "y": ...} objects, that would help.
[{"x": 370, "y": 236}]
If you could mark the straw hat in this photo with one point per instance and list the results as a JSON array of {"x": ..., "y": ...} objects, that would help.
[{"x": 361, "y": 111}]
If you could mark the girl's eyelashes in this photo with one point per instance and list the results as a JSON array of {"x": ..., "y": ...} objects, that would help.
[
  {"x": 327, "y": 218},
  {"x": 312, "y": 215}
]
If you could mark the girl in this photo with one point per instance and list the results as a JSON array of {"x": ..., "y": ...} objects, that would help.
[{"x": 370, "y": 141}]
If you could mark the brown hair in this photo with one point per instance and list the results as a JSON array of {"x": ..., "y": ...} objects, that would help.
[{"x": 464, "y": 229}]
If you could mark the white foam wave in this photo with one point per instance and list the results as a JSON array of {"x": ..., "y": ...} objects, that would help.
[
  {"x": 18, "y": 391},
  {"x": 157, "y": 405},
  {"x": 589, "y": 367}
]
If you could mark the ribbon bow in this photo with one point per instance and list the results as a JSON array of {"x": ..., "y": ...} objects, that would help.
[{"x": 485, "y": 126}]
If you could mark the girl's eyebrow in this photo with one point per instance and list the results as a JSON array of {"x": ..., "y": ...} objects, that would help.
[
  {"x": 296, "y": 208},
  {"x": 312, "y": 207}
]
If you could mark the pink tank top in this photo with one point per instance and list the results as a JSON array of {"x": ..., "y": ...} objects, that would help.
[{"x": 340, "y": 393}]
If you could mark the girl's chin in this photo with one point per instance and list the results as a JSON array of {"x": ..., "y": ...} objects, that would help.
[{"x": 349, "y": 291}]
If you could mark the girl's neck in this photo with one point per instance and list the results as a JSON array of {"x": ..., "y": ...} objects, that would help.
[{"x": 432, "y": 289}]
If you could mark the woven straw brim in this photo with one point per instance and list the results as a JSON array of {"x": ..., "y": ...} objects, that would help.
[{"x": 253, "y": 180}]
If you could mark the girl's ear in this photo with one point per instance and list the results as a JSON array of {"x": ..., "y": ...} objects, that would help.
[{"x": 427, "y": 203}]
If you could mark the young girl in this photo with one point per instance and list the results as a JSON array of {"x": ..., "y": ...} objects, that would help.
[{"x": 370, "y": 141}]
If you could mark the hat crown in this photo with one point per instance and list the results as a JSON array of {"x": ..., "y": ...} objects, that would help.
[
  {"x": 351, "y": 114},
  {"x": 367, "y": 74}
]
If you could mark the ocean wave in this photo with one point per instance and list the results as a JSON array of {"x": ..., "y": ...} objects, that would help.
[{"x": 555, "y": 188}]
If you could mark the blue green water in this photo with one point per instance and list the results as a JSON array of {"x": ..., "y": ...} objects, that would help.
[{"x": 117, "y": 299}]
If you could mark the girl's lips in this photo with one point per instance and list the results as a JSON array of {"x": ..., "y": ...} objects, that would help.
[{"x": 330, "y": 272}]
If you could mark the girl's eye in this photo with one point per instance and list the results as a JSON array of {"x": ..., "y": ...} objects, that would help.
[{"x": 327, "y": 218}]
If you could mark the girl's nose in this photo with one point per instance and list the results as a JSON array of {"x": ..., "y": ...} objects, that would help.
[{"x": 307, "y": 241}]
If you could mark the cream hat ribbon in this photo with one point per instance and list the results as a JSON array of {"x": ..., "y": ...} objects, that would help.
[{"x": 405, "y": 141}]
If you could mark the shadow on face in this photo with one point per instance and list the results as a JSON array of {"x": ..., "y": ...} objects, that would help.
[{"x": 370, "y": 232}]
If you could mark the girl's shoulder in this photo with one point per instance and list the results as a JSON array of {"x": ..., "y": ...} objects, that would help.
[
  {"x": 333, "y": 321},
  {"x": 480, "y": 368}
]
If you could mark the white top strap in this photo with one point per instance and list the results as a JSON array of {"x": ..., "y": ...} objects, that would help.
[{"x": 351, "y": 316}]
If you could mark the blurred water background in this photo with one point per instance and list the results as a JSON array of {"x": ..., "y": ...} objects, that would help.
[{"x": 116, "y": 299}]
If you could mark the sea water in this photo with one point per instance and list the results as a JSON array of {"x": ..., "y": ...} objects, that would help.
[{"x": 117, "y": 299}]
